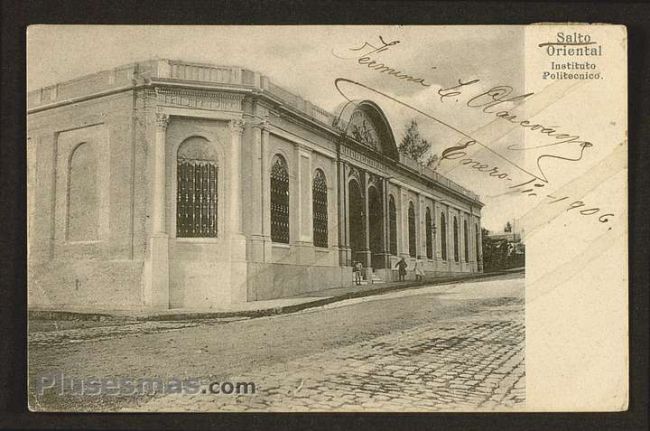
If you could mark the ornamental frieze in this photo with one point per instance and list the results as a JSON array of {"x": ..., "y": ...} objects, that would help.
[
  {"x": 197, "y": 99},
  {"x": 350, "y": 153}
]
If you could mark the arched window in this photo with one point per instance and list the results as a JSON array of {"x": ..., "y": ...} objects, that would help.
[
  {"x": 392, "y": 220},
  {"x": 466, "y": 240},
  {"x": 279, "y": 200},
  {"x": 412, "y": 251},
  {"x": 83, "y": 198},
  {"x": 319, "y": 207},
  {"x": 428, "y": 234},
  {"x": 456, "y": 257},
  {"x": 197, "y": 196},
  {"x": 443, "y": 236}
]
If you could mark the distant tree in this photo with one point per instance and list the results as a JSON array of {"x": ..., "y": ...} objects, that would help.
[
  {"x": 500, "y": 254},
  {"x": 508, "y": 227},
  {"x": 413, "y": 145}
]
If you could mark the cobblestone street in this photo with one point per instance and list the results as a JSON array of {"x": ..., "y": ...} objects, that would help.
[
  {"x": 458, "y": 364},
  {"x": 455, "y": 347}
]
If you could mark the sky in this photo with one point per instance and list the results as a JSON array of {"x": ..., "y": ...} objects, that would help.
[{"x": 307, "y": 59}]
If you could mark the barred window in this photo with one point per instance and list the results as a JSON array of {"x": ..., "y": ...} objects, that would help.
[
  {"x": 196, "y": 196},
  {"x": 319, "y": 206},
  {"x": 443, "y": 236},
  {"x": 279, "y": 200},
  {"x": 455, "y": 239},
  {"x": 412, "y": 251},
  {"x": 466, "y": 240},
  {"x": 392, "y": 220},
  {"x": 429, "y": 234}
]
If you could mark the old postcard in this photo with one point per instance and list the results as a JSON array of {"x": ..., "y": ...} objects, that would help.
[{"x": 327, "y": 218}]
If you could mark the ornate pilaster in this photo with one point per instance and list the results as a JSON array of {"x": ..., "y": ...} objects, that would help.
[
  {"x": 343, "y": 215},
  {"x": 385, "y": 237},
  {"x": 235, "y": 216},
  {"x": 420, "y": 241},
  {"x": 450, "y": 239},
  {"x": 404, "y": 225},
  {"x": 258, "y": 202},
  {"x": 303, "y": 225},
  {"x": 479, "y": 252},
  {"x": 238, "y": 266},
  {"x": 266, "y": 189},
  {"x": 435, "y": 248},
  {"x": 461, "y": 242},
  {"x": 156, "y": 286},
  {"x": 162, "y": 121}
]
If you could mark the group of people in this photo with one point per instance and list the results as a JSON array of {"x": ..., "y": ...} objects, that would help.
[{"x": 401, "y": 266}]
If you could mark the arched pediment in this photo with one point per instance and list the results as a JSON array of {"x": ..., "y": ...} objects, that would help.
[{"x": 366, "y": 123}]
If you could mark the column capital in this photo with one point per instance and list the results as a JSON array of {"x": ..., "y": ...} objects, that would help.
[
  {"x": 162, "y": 120},
  {"x": 302, "y": 149},
  {"x": 237, "y": 126},
  {"x": 262, "y": 124}
]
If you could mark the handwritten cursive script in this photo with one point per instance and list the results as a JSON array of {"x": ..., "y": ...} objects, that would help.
[
  {"x": 529, "y": 188},
  {"x": 366, "y": 53}
]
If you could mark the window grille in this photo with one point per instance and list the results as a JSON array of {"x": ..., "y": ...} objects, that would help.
[
  {"x": 443, "y": 236},
  {"x": 455, "y": 239},
  {"x": 429, "y": 234},
  {"x": 197, "y": 198},
  {"x": 412, "y": 251},
  {"x": 319, "y": 206},
  {"x": 279, "y": 201},
  {"x": 466, "y": 240}
]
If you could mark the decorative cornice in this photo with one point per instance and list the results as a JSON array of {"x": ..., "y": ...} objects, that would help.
[{"x": 223, "y": 89}]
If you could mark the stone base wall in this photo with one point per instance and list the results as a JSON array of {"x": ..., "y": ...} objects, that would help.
[
  {"x": 275, "y": 280},
  {"x": 86, "y": 284},
  {"x": 205, "y": 275}
]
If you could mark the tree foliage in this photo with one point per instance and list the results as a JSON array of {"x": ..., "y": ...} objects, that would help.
[
  {"x": 500, "y": 254},
  {"x": 413, "y": 144}
]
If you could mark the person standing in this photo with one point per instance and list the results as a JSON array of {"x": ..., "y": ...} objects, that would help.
[
  {"x": 401, "y": 266},
  {"x": 358, "y": 268},
  {"x": 419, "y": 272}
]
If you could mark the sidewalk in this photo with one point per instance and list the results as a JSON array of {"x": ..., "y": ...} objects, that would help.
[{"x": 255, "y": 308}]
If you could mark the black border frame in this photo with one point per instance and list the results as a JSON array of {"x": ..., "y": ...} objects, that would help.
[{"x": 16, "y": 16}]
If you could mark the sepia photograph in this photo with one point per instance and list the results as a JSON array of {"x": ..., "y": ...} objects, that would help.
[{"x": 327, "y": 218}]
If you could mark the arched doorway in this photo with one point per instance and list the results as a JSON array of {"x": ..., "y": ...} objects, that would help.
[
  {"x": 356, "y": 217},
  {"x": 375, "y": 220}
]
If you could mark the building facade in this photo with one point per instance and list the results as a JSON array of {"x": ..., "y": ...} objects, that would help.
[{"x": 167, "y": 184}]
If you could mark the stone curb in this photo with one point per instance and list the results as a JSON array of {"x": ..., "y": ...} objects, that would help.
[{"x": 285, "y": 309}]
